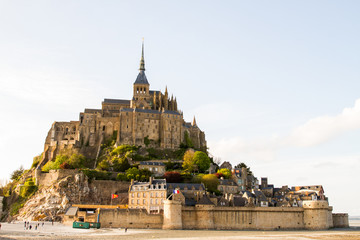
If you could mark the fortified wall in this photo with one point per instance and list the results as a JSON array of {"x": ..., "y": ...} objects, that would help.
[
  {"x": 1, "y": 204},
  {"x": 341, "y": 220},
  {"x": 314, "y": 215}
]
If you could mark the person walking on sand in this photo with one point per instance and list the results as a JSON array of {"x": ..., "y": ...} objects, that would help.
[{"x": 126, "y": 229}]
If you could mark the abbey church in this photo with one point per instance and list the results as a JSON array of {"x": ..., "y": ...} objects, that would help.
[{"x": 150, "y": 118}]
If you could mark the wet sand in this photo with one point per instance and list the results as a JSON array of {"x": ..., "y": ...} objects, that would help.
[{"x": 59, "y": 231}]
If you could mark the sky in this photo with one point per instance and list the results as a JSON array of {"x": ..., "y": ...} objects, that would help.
[{"x": 274, "y": 84}]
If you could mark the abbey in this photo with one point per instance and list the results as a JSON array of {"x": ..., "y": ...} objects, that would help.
[{"x": 150, "y": 118}]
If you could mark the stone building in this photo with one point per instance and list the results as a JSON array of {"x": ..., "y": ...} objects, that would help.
[
  {"x": 228, "y": 186},
  {"x": 148, "y": 195},
  {"x": 157, "y": 168},
  {"x": 149, "y": 118}
]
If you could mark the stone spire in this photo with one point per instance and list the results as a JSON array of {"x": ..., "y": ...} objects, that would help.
[
  {"x": 194, "y": 122},
  {"x": 142, "y": 61}
]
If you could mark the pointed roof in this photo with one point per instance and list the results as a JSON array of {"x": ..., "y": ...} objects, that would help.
[
  {"x": 205, "y": 201},
  {"x": 194, "y": 122},
  {"x": 141, "y": 78}
]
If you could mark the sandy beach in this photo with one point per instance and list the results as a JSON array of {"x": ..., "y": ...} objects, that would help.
[{"x": 60, "y": 231}]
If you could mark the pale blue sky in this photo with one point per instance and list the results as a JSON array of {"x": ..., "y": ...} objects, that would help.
[{"x": 268, "y": 80}]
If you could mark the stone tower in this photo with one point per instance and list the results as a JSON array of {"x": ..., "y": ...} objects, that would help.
[
  {"x": 172, "y": 214},
  {"x": 141, "y": 94}
]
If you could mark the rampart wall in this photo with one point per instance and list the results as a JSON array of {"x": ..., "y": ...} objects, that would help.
[
  {"x": 1, "y": 204},
  {"x": 341, "y": 220},
  {"x": 130, "y": 218},
  {"x": 315, "y": 216}
]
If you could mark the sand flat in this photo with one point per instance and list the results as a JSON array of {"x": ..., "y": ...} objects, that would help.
[{"x": 60, "y": 231}]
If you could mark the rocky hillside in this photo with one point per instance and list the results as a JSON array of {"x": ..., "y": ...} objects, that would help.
[{"x": 51, "y": 202}]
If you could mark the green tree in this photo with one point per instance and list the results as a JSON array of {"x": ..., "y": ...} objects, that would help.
[
  {"x": 202, "y": 161},
  {"x": 188, "y": 164},
  {"x": 225, "y": 172},
  {"x": 243, "y": 165},
  {"x": 211, "y": 182},
  {"x": 15, "y": 175},
  {"x": 120, "y": 164}
]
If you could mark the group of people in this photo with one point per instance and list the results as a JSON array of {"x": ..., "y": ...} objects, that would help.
[{"x": 28, "y": 226}]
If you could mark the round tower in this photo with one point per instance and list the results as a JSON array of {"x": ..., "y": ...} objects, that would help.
[
  {"x": 172, "y": 215},
  {"x": 316, "y": 215}
]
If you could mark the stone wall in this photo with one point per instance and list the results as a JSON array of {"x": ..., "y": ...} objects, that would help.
[
  {"x": 315, "y": 215},
  {"x": 235, "y": 218},
  {"x": 341, "y": 220},
  {"x": 104, "y": 188},
  {"x": 1, "y": 205},
  {"x": 130, "y": 218},
  {"x": 48, "y": 179}
]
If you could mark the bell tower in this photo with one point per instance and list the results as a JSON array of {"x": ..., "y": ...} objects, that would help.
[{"x": 141, "y": 94}]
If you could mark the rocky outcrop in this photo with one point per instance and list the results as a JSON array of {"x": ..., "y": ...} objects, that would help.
[{"x": 51, "y": 202}]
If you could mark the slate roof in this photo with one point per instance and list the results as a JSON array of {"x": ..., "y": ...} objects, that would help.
[
  {"x": 190, "y": 202},
  {"x": 239, "y": 201},
  {"x": 141, "y": 78},
  {"x": 189, "y": 186},
  {"x": 205, "y": 201},
  {"x": 154, "y": 91},
  {"x": 227, "y": 182},
  {"x": 71, "y": 211},
  {"x": 152, "y": 163},
  {"x": 88, "y": 110},
  {"x": 116, "y": 101},
  {"x": 260, "y": 195}
]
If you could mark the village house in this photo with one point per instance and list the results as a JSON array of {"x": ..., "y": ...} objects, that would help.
[
  {"x": 157, "y": 168},
  {"x": 148, "y": 195}
]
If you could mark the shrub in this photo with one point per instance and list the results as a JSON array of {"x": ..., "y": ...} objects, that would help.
[
  {"x": 28, "y": 189},
  {"x": 36, "y": 161},
  {"x": 211, "y": 182},
  {"x": 96, "y": 174},
  {"x": 121, "y": 177},
  {"x": 224, "y": 172}
]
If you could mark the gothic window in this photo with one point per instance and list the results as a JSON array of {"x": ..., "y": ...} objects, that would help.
[
  {"x": 144, "y": 201},
  {"x": 144, "y": 195},
  {"x": 132, "y": 201},
  {"x": 156, "y": 201},
  {"x": 138, "y": 201},
  {"x": 157, "y": 194},
  {"x": 132, "y": 194},
  {"x": 138, "y": 195}
]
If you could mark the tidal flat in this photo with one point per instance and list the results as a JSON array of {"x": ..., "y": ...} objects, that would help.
[{"x": 60, "y": 231}]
